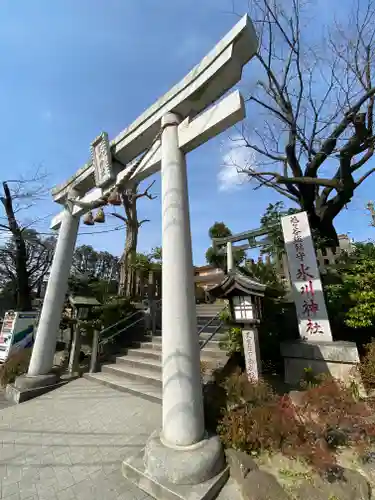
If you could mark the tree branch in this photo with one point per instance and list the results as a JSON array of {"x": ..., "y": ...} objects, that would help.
[
  {"x": 146, "y": 193},
  {"x": 364, "y": 177},
  {"x": 330, "y": 144},
  {"x": 121, "y": 217},
  {"x": 142, "y": 222},
  {"x": 299, "y": 180}
]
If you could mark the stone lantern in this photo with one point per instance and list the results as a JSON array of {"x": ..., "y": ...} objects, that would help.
[
  {"x": 245, "y": 299},
  {"x": 82, "y": 307}
]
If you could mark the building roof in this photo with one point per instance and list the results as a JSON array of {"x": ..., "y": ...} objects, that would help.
[
  {"x": 236, "y": 281},
  {"x": 206, "y": 267},
  {"x": 79, "y": 300}
]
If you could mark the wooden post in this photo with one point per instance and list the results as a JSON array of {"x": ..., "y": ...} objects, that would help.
[
  {"x": 76, "y": 349},
  {"x": 94, "y": 352},
  {"x": 142, "y": 278}
]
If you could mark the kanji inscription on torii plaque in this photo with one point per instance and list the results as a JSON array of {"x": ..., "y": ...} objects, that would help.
[
  {"x": 308, "y": 295},
  {"x": 102, "y": 160}
]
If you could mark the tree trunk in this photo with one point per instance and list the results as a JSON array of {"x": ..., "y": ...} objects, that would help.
[
  {"x": 323, "y": 228},
  {"x": 127, "y": 271},
  {"x": 23, "y": 286}
]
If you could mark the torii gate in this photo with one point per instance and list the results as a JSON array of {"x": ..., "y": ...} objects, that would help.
[
  {"x": 177, "y": 123},
  {"x": 251, "y": 237}
]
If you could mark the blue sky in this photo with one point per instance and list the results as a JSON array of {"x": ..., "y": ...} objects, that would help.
[{"x": 72, "y": 68}]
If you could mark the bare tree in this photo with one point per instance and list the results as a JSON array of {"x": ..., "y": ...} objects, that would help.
[
  {"x": 315, "y": 101},
  {"x": 39, "y": 254},
  {"x": 93, "y": 264},
  {"x": 22, "y": 195},
  {"x": 129, "y": 198}
]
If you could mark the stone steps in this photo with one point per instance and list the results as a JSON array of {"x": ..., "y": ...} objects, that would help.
[
  {"x": 138, "y": 370},
  {"x": 136, "y": 387},
  {"x": 154, "y": 353},
  {"x": 141, "y": 373}
]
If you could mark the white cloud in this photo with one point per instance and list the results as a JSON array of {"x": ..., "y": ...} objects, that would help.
[{"x": 235, "y": 158}]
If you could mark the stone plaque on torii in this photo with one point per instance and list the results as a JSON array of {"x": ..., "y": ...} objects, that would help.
[{"x": 179, "y": 122}]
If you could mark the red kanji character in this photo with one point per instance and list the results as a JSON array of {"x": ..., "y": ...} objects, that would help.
[
  {"x": 310, "y": 307},
  {"x": 308, "y": 289},
  {"x": 303, "y": 273},
  {"x": 313, "y": 327}
]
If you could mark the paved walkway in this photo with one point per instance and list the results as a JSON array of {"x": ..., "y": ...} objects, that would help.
[
  {"x": 69, "y": 444},
  {"x": 3, "y": 402}
]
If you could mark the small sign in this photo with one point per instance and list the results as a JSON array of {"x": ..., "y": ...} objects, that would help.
[
  {"x": 307, "y": 288},
  {"x": 17, "y": 332},
  {"x": 252, "y": 353},
  {"x": 102, "y": 160}
]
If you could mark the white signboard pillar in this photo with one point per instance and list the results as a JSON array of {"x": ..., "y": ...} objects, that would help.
[
  {"x": 305, "y": 279},
  {"x": 252, "y": 353}
]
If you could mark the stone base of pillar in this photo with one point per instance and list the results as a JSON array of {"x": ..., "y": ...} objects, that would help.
[
  {"x": 25, "y": 387},
  {"x": 166, "y": 473},
  {"x": 184, "y": 465},
  {"x": 32, "y": 382}
]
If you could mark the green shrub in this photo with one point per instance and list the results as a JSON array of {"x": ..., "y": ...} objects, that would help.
[
  {"x": 310, "y": 379},
  {"x": 234, "y": 343},
  {"x": 115, "y": 309},
  {"x": 225, "y": 316},
  {"x": 352, "y": 299},
  {"x": 16, "y": 365}
]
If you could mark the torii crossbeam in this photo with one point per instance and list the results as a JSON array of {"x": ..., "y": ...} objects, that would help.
[{"x": 183, "y": 119}]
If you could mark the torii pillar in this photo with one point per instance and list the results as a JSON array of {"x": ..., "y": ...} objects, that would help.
[
  {"x": 41, "y": 362},
  {"x": 182, "y": 453}
]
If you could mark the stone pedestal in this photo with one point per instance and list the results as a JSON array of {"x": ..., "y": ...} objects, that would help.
[
  {"x": 189, "y": 465},
  {"x": 338, "y": 359},
  {"x": 27, "y": 387}
]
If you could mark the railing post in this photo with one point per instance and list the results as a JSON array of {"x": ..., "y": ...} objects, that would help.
[
  {"x": 75, "y": 351},
  {"x": 94, "y": 352}
]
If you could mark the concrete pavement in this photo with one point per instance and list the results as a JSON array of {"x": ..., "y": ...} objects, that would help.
[{"x": 69, "y": 444}]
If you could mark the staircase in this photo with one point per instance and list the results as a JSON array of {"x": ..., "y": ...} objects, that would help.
[{"x": 138, "y": 369}]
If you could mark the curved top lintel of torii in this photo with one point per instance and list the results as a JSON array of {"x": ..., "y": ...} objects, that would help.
[{"x": 191, "y": 98}]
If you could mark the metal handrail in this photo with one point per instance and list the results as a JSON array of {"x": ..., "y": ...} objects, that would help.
[
  {"x": 108, "y": 339},
  {"x": 118, "y": 323},
  {"x": 97, "y": 342},
  {"x": 209, "y": 338},
  {"x": 216, "y": 329},
  {"x": 211, "y": 320}
]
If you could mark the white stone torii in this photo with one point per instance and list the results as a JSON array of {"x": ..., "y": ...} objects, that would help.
[{"x": 177, "y": 123}]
